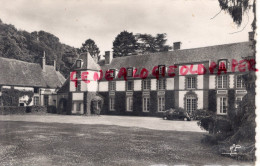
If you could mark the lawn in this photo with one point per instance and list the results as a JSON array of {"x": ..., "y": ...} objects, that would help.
[{"x": 34, "y": 143}]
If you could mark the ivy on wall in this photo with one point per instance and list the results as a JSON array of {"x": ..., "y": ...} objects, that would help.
[{"x": 11, "y": 96}]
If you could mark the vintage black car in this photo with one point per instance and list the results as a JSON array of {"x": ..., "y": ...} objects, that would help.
[{"x": 180, "y": 114}]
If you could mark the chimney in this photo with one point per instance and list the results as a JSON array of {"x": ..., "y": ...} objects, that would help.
[
  {"x": 176, "y": 45},
  {"x": 54, "y": 65},
  {"x": 251, "y": 36},
  {"x": 43, "y": 62},
  {"x": 108, "y": 57}
]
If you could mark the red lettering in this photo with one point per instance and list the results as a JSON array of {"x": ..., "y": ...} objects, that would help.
[
  {"x": 191, "y": 70},
  {"x": 75, "y": 80},
  {"x": 171, "y": 71},
  {"x": 212, "y": 67},
  {"x": 184, "y": 67},
  {"x": 134, "y": 73},
  {"x": 242, "y": 65},
  {"x": 122, "y": 72},
  {"x": 155, "y": 72},
  {"x": 222, "y": 67},
  {"x": 144, "y": 73},
  {"x": 251, "y": 65},
  {"x": 84, "y": 76},
  {"x": 108, "y": 75},
  {"x": 234, "y": 64},
  {"x": 96, "y": 77},
  {"x": 201, "y": 69}
]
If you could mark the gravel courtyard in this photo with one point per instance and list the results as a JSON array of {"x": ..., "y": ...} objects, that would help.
[{"x": 104, "y": 140}]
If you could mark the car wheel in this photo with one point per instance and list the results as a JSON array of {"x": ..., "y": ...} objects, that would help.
[
  {"x": 185, "y": 119},
  {"x": 165, "y": 118}
]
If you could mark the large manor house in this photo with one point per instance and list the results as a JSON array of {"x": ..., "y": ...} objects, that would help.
[
  {"x": 142, "y": 85},
  {"x": 102, "y": 85}
]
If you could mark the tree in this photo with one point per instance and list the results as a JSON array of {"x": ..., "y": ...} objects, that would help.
[
  {"x": 125, "y": 44},
  {"x": 149, "y": 43},
  {"x": 91, "y": 47},
  {"x": 236, "y": 8}
]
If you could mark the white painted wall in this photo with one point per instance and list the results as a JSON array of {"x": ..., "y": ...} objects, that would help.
[
  {"x": 181, "y": 82},
  {"x": 153, "y": 84},
  {"x": 170, "y": 84},
  {"x": 24, "y": 88},
  {"x": 181, "y": 98},
  {"x": 120, "y": 85},
  {"x": 72, "y": 86},
  {"x": 103, "y": 86},
  {"x": 137, "y": 85},
  {"x": 212, "y": 82},
  {"x": 92, "y": 86},
  {"x": 6, "y": 87},
  {"x": 77, "y": 96},
  {"x": 231, "y": 80},
  {"x": 200, "y": 81}
]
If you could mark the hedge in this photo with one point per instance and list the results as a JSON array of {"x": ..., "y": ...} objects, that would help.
[{"x": 8, "y": 110}]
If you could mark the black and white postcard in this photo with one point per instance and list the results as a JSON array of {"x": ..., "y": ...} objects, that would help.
[{"x": 129, "y": 83}]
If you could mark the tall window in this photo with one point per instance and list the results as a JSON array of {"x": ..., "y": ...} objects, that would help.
[
  {"x": 161, "y": 84},
  {"x": 222, "y": 105},
  {"x": 129, "y": 86},
  {"x": 191, "y": 103},
  {"x": 146, "y": 84},
  {"x": 240, "y": 82},
  {"x": 191, "y": 82},
  {"x": 111, "y": 103},
  {"x": 222, "y": 81},
  {"x": 146, "y": 104},
  {"x": 161, "y": 104},
  {"x": 36, "y": 100},
  {"x": 129, "y": 103},
  {"x": 112, "y": 85}
]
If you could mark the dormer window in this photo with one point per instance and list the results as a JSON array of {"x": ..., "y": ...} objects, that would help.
[
  {"x": 222, "y": 64},
  {"x": 78, "y": 63},
  {"x": 161, "y": 69},
  {"x": 112, "y": 73},
  {"x": 130, "y": 72}
]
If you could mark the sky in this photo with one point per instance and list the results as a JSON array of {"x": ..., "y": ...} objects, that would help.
[{"x": 74, "y": 21}]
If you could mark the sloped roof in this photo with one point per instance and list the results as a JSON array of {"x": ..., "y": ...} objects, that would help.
[
  {"x": 211, "y": 53},
  {"x": 88, "y": 62},
  {"x": 65, "y": 88},
  {"x": 20, "y": 73}
]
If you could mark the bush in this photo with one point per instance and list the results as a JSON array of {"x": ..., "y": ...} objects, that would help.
[
  {"x": 200, "y": 114},
  {"x": 216, "y": 124},
  {"x": 16, "y": 110},
  {"x": 8, "y": 110},
  {"x": 36, "y": 109},
  {"x": 178, "y": 113}
]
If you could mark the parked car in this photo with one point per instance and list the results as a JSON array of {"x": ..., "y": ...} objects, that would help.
[{"x": 178, "y": 113}]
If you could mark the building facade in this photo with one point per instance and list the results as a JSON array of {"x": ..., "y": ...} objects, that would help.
[
  {"x": 208, "y": 78},
  {"x": 35, "y": 84}
]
